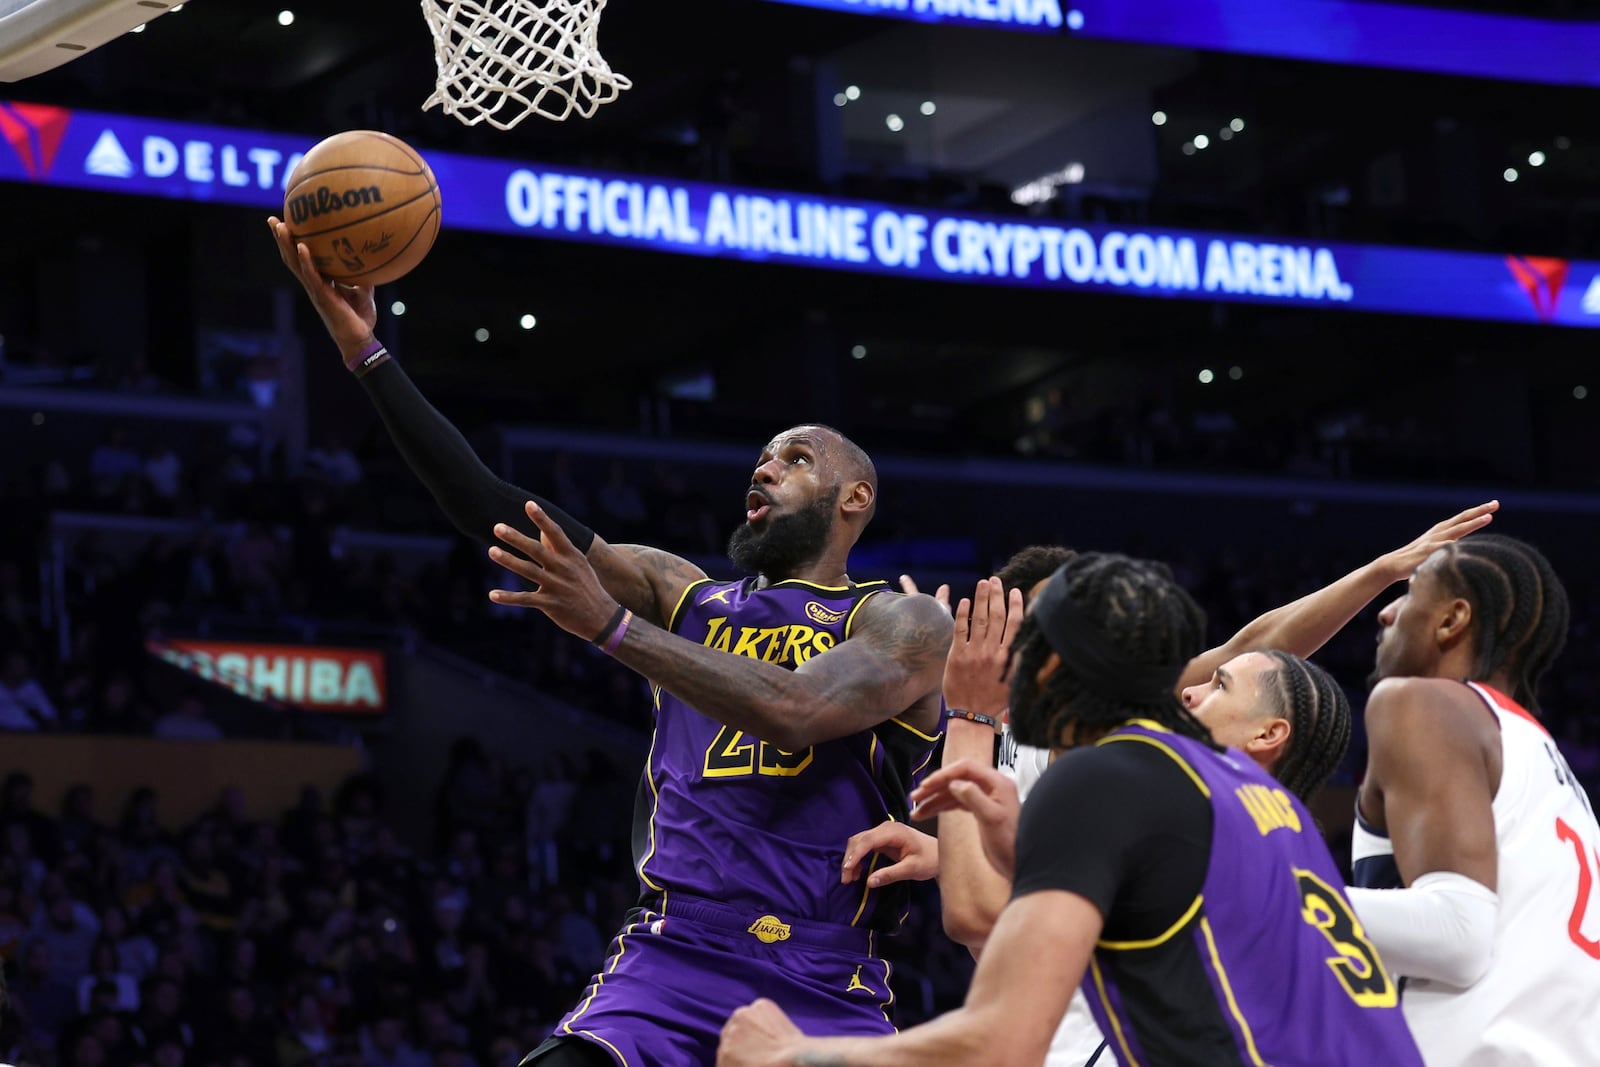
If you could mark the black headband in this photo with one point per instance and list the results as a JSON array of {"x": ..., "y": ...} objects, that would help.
[{"x": 1089, "y": 655}]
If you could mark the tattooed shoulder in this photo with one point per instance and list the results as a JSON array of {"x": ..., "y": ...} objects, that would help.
[{"x": 914, "y": 631}]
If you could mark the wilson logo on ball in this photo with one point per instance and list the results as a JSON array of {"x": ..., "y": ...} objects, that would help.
[{"x": 325, "y": 201}]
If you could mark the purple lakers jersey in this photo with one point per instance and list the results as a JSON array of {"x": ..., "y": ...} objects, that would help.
[
  {"x": 725, "y": 816},
  {"x": 1269, "y": 965}
]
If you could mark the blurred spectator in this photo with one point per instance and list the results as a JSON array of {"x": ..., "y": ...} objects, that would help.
[
  {"x": 42, "y": 1000},
  {"x": 163, "y": 475},
  {"x": 113, "y": 465},
  {"x": 68, "y": 929},
  {"x": 188, "y": 723},
  {"x": 622, "y": 508},
  {"x": 23, "y": 703},
  {"x": 334, "y": 464},
  {"x": 105, "y": 970},
  {"x": 384, "y": 1044}
]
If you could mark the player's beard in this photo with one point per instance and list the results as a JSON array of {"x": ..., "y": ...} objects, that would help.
[{"x": 785, "y": 542}]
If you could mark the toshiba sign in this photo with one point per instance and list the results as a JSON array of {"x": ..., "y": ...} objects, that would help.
[{"x": 348, "y": 681}]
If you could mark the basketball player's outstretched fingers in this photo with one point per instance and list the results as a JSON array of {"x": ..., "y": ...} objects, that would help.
[
  {"x": 1403, "y": 561},
  {"x": 915, "y": 854}
]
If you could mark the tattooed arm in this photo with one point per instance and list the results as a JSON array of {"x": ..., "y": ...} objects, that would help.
[
  {"x": 648, "y": 581},
  {"x": 1040, "y": 949},
  {"x": 893, "y": 662},
  {"x": 892, "y": 665}
]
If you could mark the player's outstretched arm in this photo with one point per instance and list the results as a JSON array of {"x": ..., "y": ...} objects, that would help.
[
  {"x": 1307, "y": 624},
  {"x": 1432, "y": 773},
  {"x": 469, "y": 494},
  {"x": 1018, "y": 995},
  {"x": 971, "y": 892},
  {"x": 893, "y": 661}
]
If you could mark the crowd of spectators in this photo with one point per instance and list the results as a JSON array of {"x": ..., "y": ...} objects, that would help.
[{"x": 317, "y": 939}]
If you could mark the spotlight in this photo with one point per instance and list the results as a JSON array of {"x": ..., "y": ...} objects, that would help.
[
  {"x": 840, "y": 100},
  {"x": 1202, "y": 141},
  {"x": 480, "y": 334},
  {"x": 1207, "y": 377},
  {"x": 1579, "y": 392},
  {"x": 1159, "y": 118},
  {"x": 1537, "y": 159},
  {"x": 1237, "y": 125},
  {"x": 928, "y": 107},
  {"x": 1510, "y": 175},
  {"x": 858, "y": 352},
  {"x": 852, "y": 92},
  {"x": 286, "y": 17},
  {"x": 529, "y": 322},
  {"x": 895, "y": 123},
  {"x": 397, "y": 308}
]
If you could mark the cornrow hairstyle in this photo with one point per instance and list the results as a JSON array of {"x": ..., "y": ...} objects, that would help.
[
  {"x": 1519, "y": 609},
  {"x": 1319, "y": 722},
  {"x": 1032, "y": 565},
  {"x": 1150, "y": 620}
]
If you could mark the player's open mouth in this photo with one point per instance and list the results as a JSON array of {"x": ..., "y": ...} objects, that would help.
[{"x": 756, "y": 506}]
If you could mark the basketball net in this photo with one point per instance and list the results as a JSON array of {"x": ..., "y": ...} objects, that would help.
[{"x": 503, "y": 60}]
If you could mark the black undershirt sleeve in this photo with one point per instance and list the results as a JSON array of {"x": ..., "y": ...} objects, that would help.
[
  {"x": 1125, "y": 827},
  {"x": 468, "y": 492}
]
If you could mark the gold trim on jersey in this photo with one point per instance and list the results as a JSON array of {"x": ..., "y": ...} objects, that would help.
[
  {"x": 655, "y": 807},
  {"x": 1160, "y": 939},
  {"x": 830, "y": 588},
  {"x": 1126, "y": 1056},
  {"x": 683, "y": 598},
  {"x": 898, "y": 721},
  {"x": 888, "y": 987},
  {"x": 866, "y": 890},
  {"x": 643, "y": 925},
  {"x": 849, "y": 620},
  {"x": 1227, "y": 991},
  {"x": 1194, "y": 775}
]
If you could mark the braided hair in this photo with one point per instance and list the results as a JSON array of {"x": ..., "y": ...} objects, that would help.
[
  {"x": 1151, "y": 621},
  {"x": 1519, "y": 609},
  {"x": 1319, "y": 721}
]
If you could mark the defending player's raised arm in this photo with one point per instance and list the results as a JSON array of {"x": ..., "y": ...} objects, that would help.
[
  {"x": 971, "y": 892},
  {"x": 470, "y": 495},
  {"x": 1018, "y": 995},
  {"x": 1307, "y": 624}
]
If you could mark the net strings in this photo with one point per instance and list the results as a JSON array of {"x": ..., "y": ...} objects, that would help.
[{"x": 500, "y": 61}]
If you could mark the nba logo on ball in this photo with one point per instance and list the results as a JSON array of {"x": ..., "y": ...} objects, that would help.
[{"x": 366, "y": 205}]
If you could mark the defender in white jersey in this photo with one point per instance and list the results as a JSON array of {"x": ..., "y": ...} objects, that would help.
[
  {"x": 1476, "y": 851},
  {"x": 1286, "y": 714}
]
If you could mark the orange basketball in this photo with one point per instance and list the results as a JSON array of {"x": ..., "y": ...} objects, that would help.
[{"x": 367, "y": 206}]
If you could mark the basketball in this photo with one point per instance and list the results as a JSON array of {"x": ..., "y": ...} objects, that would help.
[{"x": 366, "y": 205}]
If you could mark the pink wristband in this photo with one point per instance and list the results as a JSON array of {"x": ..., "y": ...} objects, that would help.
[{"x": 614, "y": 642}]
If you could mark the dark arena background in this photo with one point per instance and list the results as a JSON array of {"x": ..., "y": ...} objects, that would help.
[{"x": 1259, "y": 289}]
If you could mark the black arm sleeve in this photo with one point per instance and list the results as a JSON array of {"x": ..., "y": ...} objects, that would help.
[
  {"x": 467, "y": 491},
  {"x": 1122, "y": 826}
]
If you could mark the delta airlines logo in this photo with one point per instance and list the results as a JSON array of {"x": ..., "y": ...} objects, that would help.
[
  {"x": 1542, "y": 278},
  {"x": 34, "y": 132}
]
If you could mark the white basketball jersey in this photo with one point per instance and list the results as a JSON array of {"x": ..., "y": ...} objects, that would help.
[
  {"x": 1078, "y": 1041},
  {"x": 1539, "y": 1003}
]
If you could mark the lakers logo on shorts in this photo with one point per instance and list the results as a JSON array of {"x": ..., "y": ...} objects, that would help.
[
  {"x": 817, "y": 613},
  {"x": 769, "y": 930}
]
